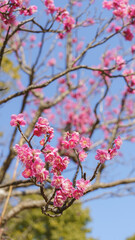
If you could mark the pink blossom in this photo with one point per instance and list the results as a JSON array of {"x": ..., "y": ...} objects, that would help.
[
  {"x": 73, "y": 75},
  {"x": 42, "y": 127},
  {"x": 118, "y": 142},
  {"x": 77, "y": 194},
  {"x": 27, "y": 173},
  {"x": 59, "y": 164},
  {"x": 120, "y": 62},
  {"x": 112, "y": 152},
  {"x": 59, "y": 199},
  {"x": 60, "y": 55},
  {"x": 82, "y": 184},
  {"x": 49, "y": 157},
  {"x": 59, "y": 44},
  {"x": 28, "y": 11},
  {"x": 57, "y": 181},
  {"x": 82, "y": 155},
  {"x": 133, "y": 139},
  {"x": 18, "y": 3},
  {"x": 65, "y": 144},
  {"x": 68, "y": 24},
  {"x": 133, "y": 49},
  {"x": 61, "y": 35},
  {"x": 67, "y": 187},
  {"x": 131, "y": 11},
  {"x": 17, "y": 120},
  {"x": 107, "y": 4},
  {"x": 39, "y": 44},
  {"x": 51, "y": 62},
  {"x": 72, "y": 143},
  {"x": 37, "y": 166},
  {"x": 127, "y": 34},
  {"x": 117, "y": 28},
  {"x": 74, "y": 40},
  {"x": 42, "y": 176},
  {"x": 85, "y": 142},
  {"x": 32, "y": 38},
  {"x": 26, "y": 154},
  {"x": 79, "y": 46},
  {"x": 102, "y": 155},
  {"x": 75, "y": 136}
]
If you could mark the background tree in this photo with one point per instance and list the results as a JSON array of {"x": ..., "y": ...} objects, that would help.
[
  {"x": 131, "y": 238},
  {"x": 33, "y": 225}
]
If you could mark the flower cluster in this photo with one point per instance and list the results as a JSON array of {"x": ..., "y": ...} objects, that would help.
[
  {"x": 122, "y": 9},
  {"x": 34, "y": 166},
  {"x": 66, "y": 189},
  {"x": 62, "y": 16},
  {"x": 57, "y": 163},
  {"x": 17, "y": 120},
  {"x": 42, "y": 127},
  {"x": 119, "y": 7},
  {"x": 75, "y": 141},
  {"x": 103, "y": 155},
  {"x": 35, "y": 160},
  {"x": 8, "y": 8}
]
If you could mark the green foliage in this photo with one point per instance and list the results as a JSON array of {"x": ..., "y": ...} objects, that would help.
[
  {"x": 9, "y": 68},
  {"x": 33, "y": 225},
  {"x": 131, "y": 238}
]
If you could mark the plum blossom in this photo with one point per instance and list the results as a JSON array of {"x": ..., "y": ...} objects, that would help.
[
  {"x": 51, "y": 62},
  {"x": 82, "y": 155},
  {"x": 57, "y": 181},
  {"x": 118, "y": 142},
  {"x": 59, "y": 199},
  {"x": 17, "y": 120},
  {"x": 42, "y": 127},
  {"x": 77, "y": 194},
  {"x": 85, "y": 142},
  {"x": 102, "y": 155},
  {"x": 82, "y": 184},
  {"x": 127, "y": 34}
]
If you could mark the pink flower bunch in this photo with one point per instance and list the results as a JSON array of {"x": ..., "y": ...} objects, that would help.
[
  {"x": 68, "y": 23},
  {"x": 66, "y": 189},
  {"x": 120, "y": 62},
  {"x": 82, "y": 186},
  {"x": 131, "y": 78},
  {"x": 118, "y": 142},
  {"x": 133, "y": 49},
  {"x": 28, "y": 11},
  {"x": 131, "y": 11},
  {"x": 42, "y": 127},
  {"x": 50, "y": 6},
  {"x": 34, "y": 167},
  {"x": 70, "y": 140},
  {"x": 74, "y": 141},
  {"x": 6, "y": 13},
  {"x": 128, "y": 34},
  {"x": 103, "y": 155},
  {"x": 85, "y": 142},
  {"x": 119, "y": 7},
  {"x": 57, "y": 163},
  {"x": 7, "y": 9},
  {"x": 62, "y": 16},
  {"x": 17, "y": 120},
  {"x": 122, "y": 9}
]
